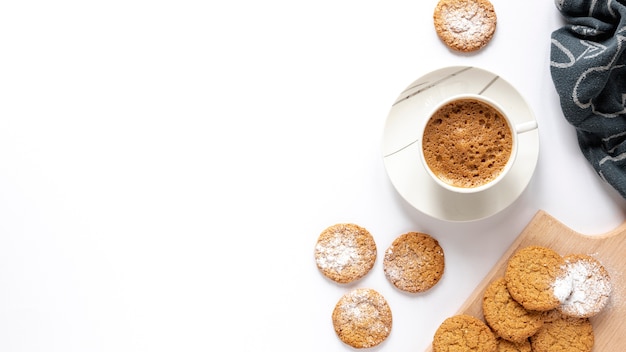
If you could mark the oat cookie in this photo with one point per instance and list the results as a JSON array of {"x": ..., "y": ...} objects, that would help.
[
  {"x": 564, "y": 334},
  {"x": 345, "y": 252},
  {"x": 589, "y": 285},
  {"x": 362, "y": 318},
  {"x": 508, "y": 346},
  {"x": 464, "y": 333},
  {"x": 465, "y": 25},
  {"x": 508, "y": 319},
  {"x": 414, "y": 262},
  {"x": 530, "y": 277}
]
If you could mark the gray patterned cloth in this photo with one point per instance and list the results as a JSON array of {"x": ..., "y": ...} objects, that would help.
[{"x": 588, "y": 67}]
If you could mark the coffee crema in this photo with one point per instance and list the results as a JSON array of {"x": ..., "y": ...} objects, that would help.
[{"x": 467, "y": 143}]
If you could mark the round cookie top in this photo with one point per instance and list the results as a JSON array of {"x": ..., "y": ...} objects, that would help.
[
  {"x": 589, "y": 285},
  {"x": 530, "y": 275},
  {"x": 564, "y": 334},
  {"x": 414, "y": 262},
  {"x": 508, "y": 319},
  {"x": 465, "y": 25},
  {"x": 464, "y": 333},
  {"x": 508, "y": 346},
  {"x": 362, "y": 318},
  {"x": 345, "y": 252}
]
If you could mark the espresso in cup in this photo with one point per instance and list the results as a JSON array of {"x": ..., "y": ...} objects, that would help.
[{"x": 467, "y": 143}]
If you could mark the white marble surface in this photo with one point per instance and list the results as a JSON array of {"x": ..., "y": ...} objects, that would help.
[{"x": 167, "y": 166}]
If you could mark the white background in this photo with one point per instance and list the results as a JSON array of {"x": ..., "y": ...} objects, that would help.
[{"x": 167, "y": 166}]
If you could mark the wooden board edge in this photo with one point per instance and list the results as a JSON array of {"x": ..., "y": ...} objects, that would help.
[{"x": 482, "y": 285}]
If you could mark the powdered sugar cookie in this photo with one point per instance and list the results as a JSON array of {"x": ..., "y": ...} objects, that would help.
[
  {"x": 465, "y": 25},
  {"x": 414, "y": 262},
  {"x": 589, "y": 285},
  {"x": 530, "y": 275},
  {"x": 345, "y": 252},
  {"x": 362, "y": 318}
]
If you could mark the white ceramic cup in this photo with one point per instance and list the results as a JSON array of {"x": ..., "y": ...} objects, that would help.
[{"x": 514, "y": 128}]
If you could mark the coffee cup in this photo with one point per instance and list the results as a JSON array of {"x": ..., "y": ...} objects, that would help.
[{"x": 468, "y": 143}]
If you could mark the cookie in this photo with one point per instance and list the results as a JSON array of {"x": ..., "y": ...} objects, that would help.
[
  {"x": 551, "y": 315},
  {"x": 564, "y": 334},
  {"x": 530, "y": 275},
  {"x": 362, "y": 318},
  {"x": 464, "y": 333},
  {"x": 345, "y": 252},
  {"x": 465, "y": 25},
  {"x": 507, "y": 318},
  {"x": 508, "y": 346},
  {"x": 414, "y": 262},
  {"x": 589, "y": 286}
]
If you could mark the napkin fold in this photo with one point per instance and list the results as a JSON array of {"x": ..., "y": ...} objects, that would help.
[{"x": 588, "y": 68}]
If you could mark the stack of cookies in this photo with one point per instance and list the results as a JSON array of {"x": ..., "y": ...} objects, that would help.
[{"x": 542, "y": 303}]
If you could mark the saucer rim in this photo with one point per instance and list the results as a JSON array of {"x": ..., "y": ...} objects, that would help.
[{"x": 461, "y": 207}]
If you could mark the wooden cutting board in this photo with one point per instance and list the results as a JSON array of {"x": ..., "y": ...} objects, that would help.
[{"x": 610, "y": 249}]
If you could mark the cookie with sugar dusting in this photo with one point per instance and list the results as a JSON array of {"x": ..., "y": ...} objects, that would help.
[
  {"x": 465, "y": 25},
  {"x": 362, "y": 318},
  {"x": 345, "y": 252},
  {"x": 414, "y": 262},
  {"x": 530, "y": 275},
  {"x": 589, "y": 285}
]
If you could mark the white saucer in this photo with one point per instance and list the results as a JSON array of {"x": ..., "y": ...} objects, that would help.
[{"x": 401, "y": 157}]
